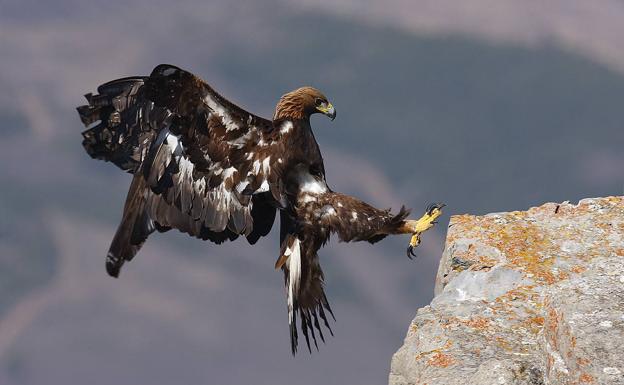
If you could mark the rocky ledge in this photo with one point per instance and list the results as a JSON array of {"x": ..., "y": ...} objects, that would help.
[{"x": 533, "y": 297}]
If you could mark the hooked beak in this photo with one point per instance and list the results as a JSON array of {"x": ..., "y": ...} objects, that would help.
[{"x": 328, "y": 110}]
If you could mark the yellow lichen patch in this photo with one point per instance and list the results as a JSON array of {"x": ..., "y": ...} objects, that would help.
[
  {"x": 532, "y": 248},
  {"x": 525, "y": 246},
  {"x": 539, "y": 321},
  {"x": 480, "y": 262},
  {"x": 526, "y": 312},
  {"x": 447, "y": 345},
  {"x": 525, "y": 293},
  {"x": 441, "y": 360},
  {"x": 503, "y": 343},
  {"x": 477, "y": 323},
  {"x": 462, "y": 218},
  {"x": 521, "y": 307},
  {"x": 533, "y": 324},
  {"x": 546, "y": 276}
]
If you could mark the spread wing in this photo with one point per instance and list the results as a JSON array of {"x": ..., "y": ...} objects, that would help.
[{"x": 202, "y": 165}]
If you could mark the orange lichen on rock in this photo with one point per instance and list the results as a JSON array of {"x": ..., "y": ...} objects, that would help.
[
  {"x": 503, "y": 343},
  {"x": 552, "y": 325},
  {"x": 441, "y": 360},
  {"x": 536, "y": 320},
  {"x": 533, "y": 324},
  {"x": 528, "y": 297},
  {"x": 584, "y": 377},
  {"x": 477, "y": 323}
]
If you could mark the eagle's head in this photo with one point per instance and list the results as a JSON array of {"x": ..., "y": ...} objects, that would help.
[{"x": 301, "y": 103}]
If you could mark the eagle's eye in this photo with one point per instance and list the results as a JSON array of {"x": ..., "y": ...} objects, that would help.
[{"x": 319, "y": 102}]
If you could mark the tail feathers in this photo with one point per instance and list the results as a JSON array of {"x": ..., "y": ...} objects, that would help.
[
  {"x": 306, "y": 298},
  {"x": 135, "y": 227}
]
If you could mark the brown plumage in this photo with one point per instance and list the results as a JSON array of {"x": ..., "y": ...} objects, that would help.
[
  {"x": 208, "y": 168},
  {"x": 298, "y": 104}
]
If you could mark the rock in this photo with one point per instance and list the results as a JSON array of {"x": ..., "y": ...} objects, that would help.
[{"x": 534, "y": 297}]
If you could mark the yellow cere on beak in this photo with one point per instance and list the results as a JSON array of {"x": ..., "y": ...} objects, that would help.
[{"x": 328, "y": 110}]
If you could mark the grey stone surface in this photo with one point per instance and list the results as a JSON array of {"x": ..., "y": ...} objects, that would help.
[{"x": 534, "y": 297}]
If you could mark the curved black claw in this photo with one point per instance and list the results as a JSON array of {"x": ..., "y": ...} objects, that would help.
[
  {"x": 410, "y": 252},
  {"x": 432, "y": 206}
]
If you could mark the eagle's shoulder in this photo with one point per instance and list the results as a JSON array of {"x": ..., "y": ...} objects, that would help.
[{"x": 183, "y": 91}]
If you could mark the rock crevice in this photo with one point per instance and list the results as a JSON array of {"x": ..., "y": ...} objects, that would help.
[{"x": 533, "y": 297}]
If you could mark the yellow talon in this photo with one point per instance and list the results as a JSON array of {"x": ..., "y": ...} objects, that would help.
[
  {"x": 415, "y": 240},
  {"x": 428, "y": 220},
  {"x": 423, "y": 224}
]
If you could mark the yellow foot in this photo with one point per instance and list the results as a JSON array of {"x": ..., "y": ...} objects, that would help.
[{"x": 423, "y": 224}]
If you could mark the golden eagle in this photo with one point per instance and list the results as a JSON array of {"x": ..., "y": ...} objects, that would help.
[{"x": 208, "y": 168}]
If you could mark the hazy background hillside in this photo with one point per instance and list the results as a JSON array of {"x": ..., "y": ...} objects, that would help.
[{"x": 497, "y": 105}]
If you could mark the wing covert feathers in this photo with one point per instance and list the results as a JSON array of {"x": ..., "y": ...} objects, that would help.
[{"x": 201, "y": 159}]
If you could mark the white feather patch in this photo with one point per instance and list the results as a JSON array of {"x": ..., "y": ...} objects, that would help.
[
  {"x": 241, "y": 140},
  {"x": 294, "y": 275},
  {"x": 255, "y": 167},
  {"x": 328, "y": 210},
  {"x": 221, "y": 113},
  {"x": 172, "y": 141},
  {"x": 287, "y": 126},
  {"x": 228, "y": 172},
  {"x": 264, "y": 187},
  {"x": 241, "y": 186},
  {"x": 266, "y": 165},
  {"x": 309, "y": 184}
]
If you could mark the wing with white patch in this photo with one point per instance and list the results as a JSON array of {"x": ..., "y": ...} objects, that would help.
[
  {"x": 208, "y": 165},
  {"x": 218, "y": 142}
]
